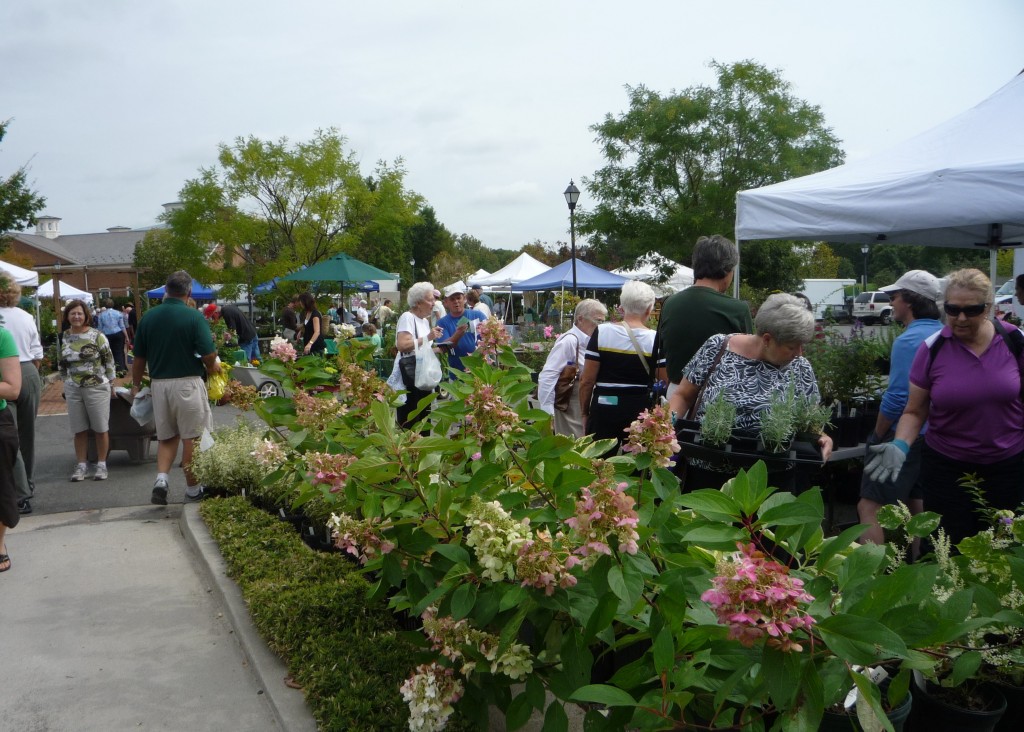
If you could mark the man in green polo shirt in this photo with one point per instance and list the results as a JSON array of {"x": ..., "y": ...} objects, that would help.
[
  {"x": 691, "y": 316},
  {"x": 175, "y": 342}
]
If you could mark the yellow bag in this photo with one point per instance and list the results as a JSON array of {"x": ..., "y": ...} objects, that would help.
[{"x": 216, "y": 384}]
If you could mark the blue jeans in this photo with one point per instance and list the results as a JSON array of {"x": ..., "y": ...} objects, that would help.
[{"x": 251, "y": 348}]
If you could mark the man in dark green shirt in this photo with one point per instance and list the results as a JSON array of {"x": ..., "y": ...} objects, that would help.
[
  {"x": 691, "y": 316},
  {"x": 175, "y": 342}
]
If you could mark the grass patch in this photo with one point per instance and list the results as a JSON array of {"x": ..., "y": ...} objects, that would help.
[{"x": 312, "y": 609}]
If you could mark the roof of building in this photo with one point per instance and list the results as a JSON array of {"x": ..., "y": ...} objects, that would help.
[{"x": 102, "y": 248}]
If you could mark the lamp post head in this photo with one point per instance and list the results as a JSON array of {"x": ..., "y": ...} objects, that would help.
[
  {"x": 572, "y": 195},
  {"x": 863, "y": 248}
]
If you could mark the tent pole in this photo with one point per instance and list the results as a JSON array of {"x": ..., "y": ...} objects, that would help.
[{"x": 993, "y": 258}]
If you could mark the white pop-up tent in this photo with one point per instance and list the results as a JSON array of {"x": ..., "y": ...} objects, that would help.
[
  {"x": 22, "y": 276},
  {"x": 518, "y": 270},
  {"x": 67, "y": 292},
  {"x": 960, "y": 184},
  {"x": 650, "y": 267}
]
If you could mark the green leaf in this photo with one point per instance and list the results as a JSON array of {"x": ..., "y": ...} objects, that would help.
[
  {"x": 860, "y": 640},
  {"x": 861, "y": 565},
  {"x": 869, "y": 706},
  {"x": 923, "y": 524},
  {"x": 535, "y": 691},
  {"x": 603, "y": 615},
  {"x": 965, "y": 667},
  {"x": 712, "y": 504},
  {"x": 664, "y": 651},
  {"x": 836, "y": 544},
  {"x": 790, "y": 514},
  {"x": 455, "y": 553},
  {"x": 617, "y": 583},
  {"x": 518, "y": 712},
  {"x": 555, "y": 718},
  {"x": 546, "y": 448},
  {"x": 610, "y": 696},
  {"x": 463, "y": 600}
]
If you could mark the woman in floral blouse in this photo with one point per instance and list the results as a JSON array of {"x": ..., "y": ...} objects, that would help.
[{"x": 87, "y": 367}]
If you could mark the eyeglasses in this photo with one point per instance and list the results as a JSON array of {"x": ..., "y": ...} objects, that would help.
[{"x": 971, "y": 311}]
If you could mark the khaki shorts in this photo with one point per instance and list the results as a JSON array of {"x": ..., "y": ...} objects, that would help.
[
  {"x": 181, "y": 407},
  {"x": 88, "y": 407}
]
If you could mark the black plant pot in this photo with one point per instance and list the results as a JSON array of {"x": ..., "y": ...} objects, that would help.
[
  {"x": 933, "y": 713},
  {"x": 838, "y": 722},
  {"x": 1013, "y": 719}
]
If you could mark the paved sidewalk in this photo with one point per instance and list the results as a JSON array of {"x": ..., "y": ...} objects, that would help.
[{"x": 118, "y": 615}]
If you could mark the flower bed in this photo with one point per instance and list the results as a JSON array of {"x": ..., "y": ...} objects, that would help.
[{"x": 543, "y": 577}]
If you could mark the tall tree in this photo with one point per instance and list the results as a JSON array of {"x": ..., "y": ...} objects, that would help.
[
  {"x": 19, "y": 204},
  {"x": 428, "y": 238},
  {"x": 481, "y": 257},
  {"x": 675, "y": 162}
]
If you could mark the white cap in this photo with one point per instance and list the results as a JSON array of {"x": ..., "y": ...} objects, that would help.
[
  {"x": 923, "y": 283},
  {"x": 452, "y": 289}
]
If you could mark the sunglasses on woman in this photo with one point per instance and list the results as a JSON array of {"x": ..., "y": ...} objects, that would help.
[{"x": 971, "y": 311}]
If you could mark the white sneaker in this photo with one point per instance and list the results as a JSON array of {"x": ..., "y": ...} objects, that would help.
[
  {"x": 101, "y": 473},
  {"x": 78, "y": 475}
]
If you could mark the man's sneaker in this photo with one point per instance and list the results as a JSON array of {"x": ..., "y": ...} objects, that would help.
[
  {"x": 159, "y": 496},
  {"x": 79, "y": 474},
  {"x": 24, "y": 507},
  {"x": 101, "y": 473},
  {"x": 201, "y": 495}
]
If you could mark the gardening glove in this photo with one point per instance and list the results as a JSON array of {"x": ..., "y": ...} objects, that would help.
[{"x": 886, "y": 461}]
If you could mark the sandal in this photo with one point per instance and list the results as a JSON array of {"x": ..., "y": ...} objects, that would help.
[{"x": 5, "y": 559}]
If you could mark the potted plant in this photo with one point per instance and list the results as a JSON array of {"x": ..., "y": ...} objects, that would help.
[
  {"x": 778, "y": 422},
  {"x": 719, "y": 417}
]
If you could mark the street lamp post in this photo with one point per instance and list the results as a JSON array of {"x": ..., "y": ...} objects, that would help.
[
  {"x": 248, "y": 276},
  {"x": 864, "y": 251},
  {"x": 572, "y": 195}
]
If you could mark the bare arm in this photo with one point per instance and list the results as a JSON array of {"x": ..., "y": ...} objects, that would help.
[
  {"x": 915, "y": 414},
  {"x": 10, "y": 372},
  {"x": 210, "y": 362},
  {"x": 683, "y": 398},
  {"x": 138, "y": 372},
  {"x": 315, "y": 322},
  {"x": 587, "y": 382}
]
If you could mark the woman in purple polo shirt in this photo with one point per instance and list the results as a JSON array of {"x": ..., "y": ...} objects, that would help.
[{"x": 969, "y": 391}]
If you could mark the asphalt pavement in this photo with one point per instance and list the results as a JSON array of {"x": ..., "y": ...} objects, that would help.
[{"x": 118, "y": 615}]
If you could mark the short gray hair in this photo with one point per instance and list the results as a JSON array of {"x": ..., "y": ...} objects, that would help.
[
  {"x": 178, "y": 284},
  {"x": 589, "y": 309},
  {"x": 637, "y": 298},
  {"x": 418, "y": 293},
  {"x": 785, "y": 318},
  {"x": 714, "y": 257}
]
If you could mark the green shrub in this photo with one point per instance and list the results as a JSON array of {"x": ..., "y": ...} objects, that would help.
[{"x": 228, "y": 465}]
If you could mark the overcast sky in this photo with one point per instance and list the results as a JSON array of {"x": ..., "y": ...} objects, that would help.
[{"x": 115, "y": 104}]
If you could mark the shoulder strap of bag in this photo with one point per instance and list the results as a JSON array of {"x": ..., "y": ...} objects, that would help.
[
  {"x": 636, "y": 347},
  {"x": 1015, "y": 343},
  {"x": 707, "y": 380}
]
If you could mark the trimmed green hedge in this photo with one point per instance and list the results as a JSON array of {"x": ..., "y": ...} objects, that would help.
[{"x": 312, "y": 609}]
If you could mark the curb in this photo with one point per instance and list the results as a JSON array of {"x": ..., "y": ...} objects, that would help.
[{"x": 288, "y": 705}]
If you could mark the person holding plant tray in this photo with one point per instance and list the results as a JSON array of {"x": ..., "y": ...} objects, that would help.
[
  {"x": 751, "y": 372},
  {"x": 914, "y": 305},
  {"x": 616, "y": 374},
  {"x": 413, "y": 330},
  {"x": 965, "y": 382}
]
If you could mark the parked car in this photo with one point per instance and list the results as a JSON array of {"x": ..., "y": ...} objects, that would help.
[
  {"x": 1007, "y": 288},
  {"x": 873, "y": 307},
  {"x": 1004, "y": 305}
]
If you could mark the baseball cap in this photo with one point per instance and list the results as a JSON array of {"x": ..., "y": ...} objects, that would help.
[
  {"x": 458, "y": 287},
  {"x": 917, "y": 280},
  {"x": 209, "y": 310}
]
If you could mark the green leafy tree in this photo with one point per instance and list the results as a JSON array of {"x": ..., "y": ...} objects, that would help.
[
  {"x": 428, "y": 238},
  {"x": 446, "y": 268},
  {"x": 19, "y": 204},
  {"x": 820, "y": 262},
  {"x": 540, "y": 251},
  {"x": 473, "y": 250},
  {"x": 675, "y": 162}
]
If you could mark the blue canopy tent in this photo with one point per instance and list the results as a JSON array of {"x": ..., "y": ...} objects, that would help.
[
  {"x": 559, "y": 277},
  {"x": 199, "y": 292}
]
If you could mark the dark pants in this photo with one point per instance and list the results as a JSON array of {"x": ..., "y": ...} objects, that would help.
[
  {"x": 1002, "y": 485},
  {"x": 412, "y": 400},
  {"x": 9, "y": 515},
  {"x": 116, "y": 342},
  {"x": 609, "y": 421}
]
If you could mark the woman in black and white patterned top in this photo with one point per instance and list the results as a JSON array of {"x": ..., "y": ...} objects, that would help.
[{"x": 752, "y": 368}]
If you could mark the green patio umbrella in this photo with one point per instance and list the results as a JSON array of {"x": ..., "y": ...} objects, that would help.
[{"x": 340, "y": 268}]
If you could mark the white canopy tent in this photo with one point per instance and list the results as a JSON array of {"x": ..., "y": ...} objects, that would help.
[
  {"x": 518, "y": 270},
  {"x": 22, "y": 276},
  {"x": 67, "y": 292},
  {"x": 960, "y": 184},
  {"x": 649, "y": 269}
]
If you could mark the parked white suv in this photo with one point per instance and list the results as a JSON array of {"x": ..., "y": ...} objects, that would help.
[{"x": 873, "y": 307}]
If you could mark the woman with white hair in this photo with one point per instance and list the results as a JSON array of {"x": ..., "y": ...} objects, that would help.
[
  {"x": 618, "y": 367},
  {"x": 747, "y": 370},
  {"x": 569, "y": 348},
  {"x": 413, "y": 330}
]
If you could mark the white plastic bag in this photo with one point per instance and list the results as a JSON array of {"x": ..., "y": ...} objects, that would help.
[
  {"x": 206, "y": 441},
  {"x": 395, "y": 380},
  {"x": 428, "y": 367},
  {"x": 142, "y": 407}
]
